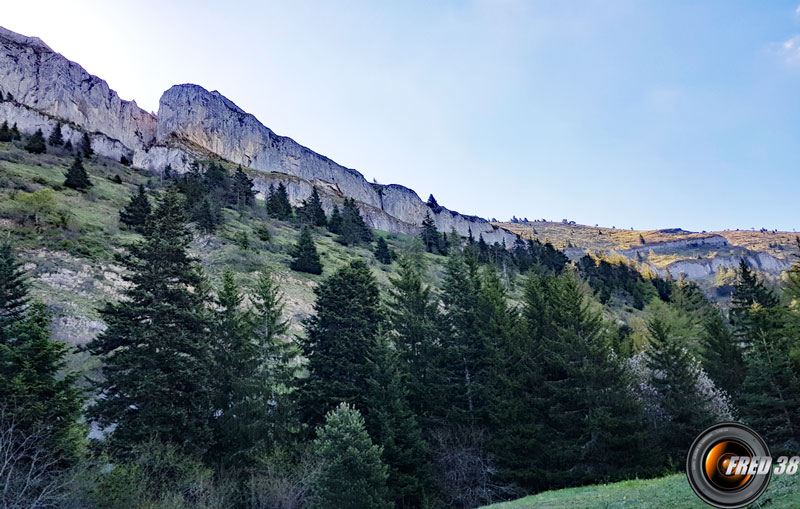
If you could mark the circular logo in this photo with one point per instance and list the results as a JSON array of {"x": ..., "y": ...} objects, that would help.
[{"x": 729, "y": 465}]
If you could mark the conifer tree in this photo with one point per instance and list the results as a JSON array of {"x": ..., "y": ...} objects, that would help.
[
  {"x": 750, "y": 293},
  {"x": 723, "y": 357},
  {"x": 137, "y": 211},
  {"x": 68, "y": 146},
  {"x": 353, "y": 230},
  {"x": 430, "y": 235},
  {"x": 352, "y": 473},
  {"x": 206, "y": 217},
  {"x": 5, "y": 132},
  {"x": 56, "y": 139},
  {"x": 272, "y": 331},
  {"x": 76, "y": 177},
  {"x": 277, "y": 203},
  {"x": 414, "y": 327},
  {"x": 33, "y": 394},
  {"x": 85, "y": 146},
  {"x": 304, "y": 255},
  {"x": 242, "y": 189},
  {"x": 36, "y": 144},
  {"x": 335, "y": 222},
  {"x": 382, "y": 253},
  {"x": 15, "y": 134},
  {"x": 311, "y": 211},
  {"x": 157, "y": 361}
]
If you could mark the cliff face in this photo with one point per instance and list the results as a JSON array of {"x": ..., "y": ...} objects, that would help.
[
  {"x": 45, "y": 81},
  {"x": 195, "y": 124}
]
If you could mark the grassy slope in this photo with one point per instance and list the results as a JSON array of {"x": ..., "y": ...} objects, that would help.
[
  {"x": 70, "y": 254},
  {"x": 666, "y": 492}
]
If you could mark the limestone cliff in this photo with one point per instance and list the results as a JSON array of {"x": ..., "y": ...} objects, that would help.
[{"x": 195, "y": 124}]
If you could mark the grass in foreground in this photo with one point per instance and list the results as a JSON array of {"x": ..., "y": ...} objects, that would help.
[{"x": 666, "y": 492}]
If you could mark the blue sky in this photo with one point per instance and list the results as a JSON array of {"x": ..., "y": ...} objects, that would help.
[{"x": 623, "y": 113}]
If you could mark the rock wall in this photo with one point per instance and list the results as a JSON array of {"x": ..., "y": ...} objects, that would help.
[{"x": 44, "y": 80}]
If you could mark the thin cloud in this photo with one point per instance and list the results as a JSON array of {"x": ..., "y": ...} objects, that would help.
[{"x": 791, "y": 49}]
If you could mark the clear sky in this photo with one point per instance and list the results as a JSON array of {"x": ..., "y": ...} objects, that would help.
[{"x": 623, "y": 113}]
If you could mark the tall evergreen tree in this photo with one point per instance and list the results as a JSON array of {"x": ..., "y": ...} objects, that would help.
[
  {"x": 205, "y": 216},
  {"x": 137, "y": 211},
  {"x": 85, "y": 146},
  {"x": 5, "y": 132},
  {"x": 304, "y": 255},
  {"x": 430, "y": 235},
  {"x": 33, "y": 394},
  {"x": 352, "y": 474},
  {"x": 76, "y": 177},
  {"x": 353, "y": 228},
  {"x": 56, "y": 138},
  {"x": 723, "y": 357},
  {"x": 15, "y": 134},
  {"x": 156, "y": 356},
  {"x": 311, "y": 211},
  {"x": 36, "y": 144},
  {"x": 382, "y": 253},
  {"x": 749, "y": 294},
  {"x": 335, "y": 222},
  {"x": 277, "y": 203},
  {"x": 242, "y": 189}
]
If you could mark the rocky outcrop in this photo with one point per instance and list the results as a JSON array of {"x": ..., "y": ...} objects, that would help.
[
  {"x": 765, "y": 263},
  {"x": 45, "y": 81},
  {"x": 195, "y": 124},
  {"x": 211, "y": 122}
]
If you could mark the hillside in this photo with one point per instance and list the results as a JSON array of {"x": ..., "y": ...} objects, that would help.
[
  {"x": 667, "y": 492},
  {"x": 707, "y": 257}
]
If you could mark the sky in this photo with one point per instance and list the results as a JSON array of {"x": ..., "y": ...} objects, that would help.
[{"x": 644, "y": 114}]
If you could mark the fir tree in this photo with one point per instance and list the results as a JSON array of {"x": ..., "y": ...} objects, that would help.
[
  {"x": 353, "y": 230},
  {"x": 382, "y": 253},
  {"x": 335, "y": 222},
  {"x": 36, "y": 144},
  {"x": 277, "y": 203},
  {"x": 433, "y": 204},
  {"x": 85, "y": 146},
  {"x": 430, "y": 235},
  {"x": 68, "y": 146},
  {"x": 15, "y": 134},
  {"x": 137, "y": 211},
  {"x": 723, "y": 358},
  {"x": 56, "y": 139},
  {"x": 5, "y": 132},
  {"x": 157, "y": 361},
  {"x": 242, "y": 189},
  {"x": 311, "y": 211},
  {"x": 76, "y": 177},
  {"x": 272, "y": 330},
  {"x": 749, "y": 294},
  {"x": 33, "y": 393},
  {"x": 352, "y": 474},
  {"x": 206, "y": 217},
  {"x": 304, "y": 255}
]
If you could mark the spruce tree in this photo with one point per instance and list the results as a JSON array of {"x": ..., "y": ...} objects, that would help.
[
  {"x": 76, "y": 177},
  {"x": 723, "y": 357},
  {"x": 382, "y": 253},
  {"x": 353, "y": 230},
  {"x": 15, "y": 134},
  {"x": 68, "y": 146},
  {"x": 304, "y": 255},
  {"x": 56, "y": 139},
  {"x": 277, "y": 203},
  {"x": 36, "y": 144},
  {"x": 351, "y": 472},
  {"x": 205, "y": 216},
  {"x": 5, "y": 132},
  {"x": 34, "y": 394},
  {"x": 272, "y": 328},
  {"x": 242, "y": 189},
  {"x": 85, "y": 146},
  {"x": 749, "y": 294},
  {"x": 335, "y": 222},
  {"x": 137, "y": 211},
  {"x": 430, "y": 235},
  {"x": 157, "y": 361},
  {"x": 311, "y": 211}
]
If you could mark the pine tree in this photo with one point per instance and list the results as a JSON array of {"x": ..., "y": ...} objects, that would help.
[
  {"x": 5, "y": 132},
  {"x": 157, "y": 362},
  {"x": 15, "y": 134},
  {"x": 33, "y": 393},
  {"x": 675, "y": 378},
  {"x": 36, "y": 144},
  {"x": 338, "y": 341},
  {"x": 335, "y": 222},
  {"x": 723, "y": 358},
  {"x": 311, "y": 211},
  {"x": 382, "y": 253},
  {"x": 56, "y": 139},
  {"x": 242, "y": 189},
  {"x": 137, "y": 211},
  {"x": 304, "y": 255},
  {"x": 85, "y": 146},
  {"x": 351, "y": 472},
  {"x": 76, "y": 177},
  {"x": 278, "y": 205},
  {"x": 430, "y": 235}
]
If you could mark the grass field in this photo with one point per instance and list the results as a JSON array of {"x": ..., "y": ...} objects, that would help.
[{"x": 666, "y": 492}]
